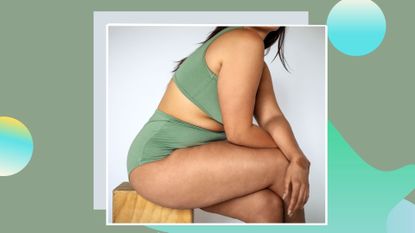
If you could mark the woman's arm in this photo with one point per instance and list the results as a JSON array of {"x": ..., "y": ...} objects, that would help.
[
  {"x": 238, "y": 90},
  {"x": 270, "y": 117},
  {"x": 238, "y": 80},
  {"x": 254, "y": 136}
]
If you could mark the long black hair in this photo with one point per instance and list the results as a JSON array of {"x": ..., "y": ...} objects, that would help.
[{"x": 270, "y": 39}]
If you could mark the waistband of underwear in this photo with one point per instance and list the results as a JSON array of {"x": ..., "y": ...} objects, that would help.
[{"x": 159, "y": 115}]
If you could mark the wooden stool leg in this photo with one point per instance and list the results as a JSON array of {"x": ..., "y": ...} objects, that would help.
[{"x": 130, "y": 207}]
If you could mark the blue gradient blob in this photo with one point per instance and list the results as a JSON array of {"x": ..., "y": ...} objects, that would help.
[
  {"x": 402, "y": 218},
  {"x": 16, "y": 146},
  {"x": 356, "y": 27}
]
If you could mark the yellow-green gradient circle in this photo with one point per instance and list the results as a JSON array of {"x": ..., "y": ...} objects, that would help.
[{"x": 16, "y": 146}]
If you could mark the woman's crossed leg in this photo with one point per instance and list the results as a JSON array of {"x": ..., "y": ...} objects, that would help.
[{"x": 219, "y": 177}]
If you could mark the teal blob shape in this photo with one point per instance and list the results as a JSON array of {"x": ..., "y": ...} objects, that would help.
[
  {"x": 359, "y": 196},
  {"x": 16, "y": 146},
  {"x": 356, "y": 27}
]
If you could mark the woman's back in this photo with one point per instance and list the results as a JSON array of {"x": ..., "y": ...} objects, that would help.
[{"x": 191, "y": 94}]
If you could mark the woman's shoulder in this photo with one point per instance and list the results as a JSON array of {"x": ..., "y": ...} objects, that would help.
[
  {"x": 242, "y": 36},
  {"x": 242, "y": 42}
]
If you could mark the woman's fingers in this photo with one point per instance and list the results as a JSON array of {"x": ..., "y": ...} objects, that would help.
[
  {"x": 294, "y": 197},
  {"x": 286, "y": 188},
  {"x": 300, "y": 198}
]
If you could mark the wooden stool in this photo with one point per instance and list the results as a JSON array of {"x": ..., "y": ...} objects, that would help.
[{"x": 130, "y": 207}]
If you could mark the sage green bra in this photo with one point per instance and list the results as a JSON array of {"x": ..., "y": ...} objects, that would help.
[{"x": 198, "y": 83}]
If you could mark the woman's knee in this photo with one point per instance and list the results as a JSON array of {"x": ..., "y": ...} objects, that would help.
[
  {"x": 279, "y": 166},
  {"x": 268, "y": 208}
]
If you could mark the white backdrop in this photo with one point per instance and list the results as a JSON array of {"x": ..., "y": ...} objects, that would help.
[{"x": 140, "y": 60}]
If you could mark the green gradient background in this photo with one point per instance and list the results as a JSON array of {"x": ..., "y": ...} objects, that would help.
[{"x": 46, "y": 81}]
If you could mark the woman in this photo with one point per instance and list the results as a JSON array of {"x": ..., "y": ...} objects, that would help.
[{"x": 200, "y": 148}]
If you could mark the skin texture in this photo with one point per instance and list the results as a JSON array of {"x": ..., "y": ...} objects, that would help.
[{"x": 245, "y": 176}]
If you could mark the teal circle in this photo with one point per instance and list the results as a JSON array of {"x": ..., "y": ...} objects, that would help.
[
  {"x": 356, "y": 27},
  {"x": 16, "y": 146}
]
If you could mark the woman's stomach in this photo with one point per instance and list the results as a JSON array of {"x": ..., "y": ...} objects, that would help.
[{"x": 175, "y": 103}]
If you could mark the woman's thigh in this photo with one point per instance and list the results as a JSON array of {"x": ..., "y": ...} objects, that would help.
[
  {"x": 200, "y": 176},
  {"x": 261, "y": 206}
]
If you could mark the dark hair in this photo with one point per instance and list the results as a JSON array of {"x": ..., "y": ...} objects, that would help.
[{"x": 269, "y": 40}]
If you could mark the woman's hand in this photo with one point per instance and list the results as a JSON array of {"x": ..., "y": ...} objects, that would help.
[{"x": 296, "y": 183}]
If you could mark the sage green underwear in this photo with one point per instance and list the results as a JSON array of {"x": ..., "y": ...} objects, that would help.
[{"x": 164, "y": 133}]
